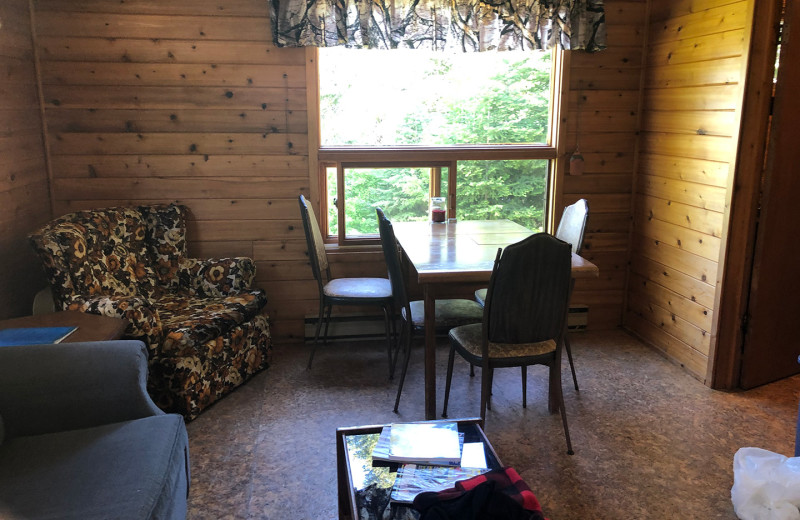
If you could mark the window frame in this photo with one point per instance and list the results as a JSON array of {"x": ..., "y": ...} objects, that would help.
[{"x": 343, "y": 157}]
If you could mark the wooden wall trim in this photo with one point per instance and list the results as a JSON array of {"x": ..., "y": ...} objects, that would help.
[
  {"x": 312, "y": 111},
  {"x": 636, "y": 162},
  {"x": 744, "y": 190},
  {"x": 561, "y": 85},
  {"x": 40, "y": 94}
]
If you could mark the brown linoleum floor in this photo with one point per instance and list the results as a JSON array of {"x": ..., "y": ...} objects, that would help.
[{"x": 650, "y": 441}]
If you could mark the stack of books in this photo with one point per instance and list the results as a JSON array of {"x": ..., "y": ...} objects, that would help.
[{"x": 432, "y": 456}]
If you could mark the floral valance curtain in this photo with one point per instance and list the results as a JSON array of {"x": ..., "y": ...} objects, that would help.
[{"x": 466, "y": 25}]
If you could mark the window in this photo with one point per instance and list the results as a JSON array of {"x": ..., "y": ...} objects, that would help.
[{"x": 399, "y": 126}]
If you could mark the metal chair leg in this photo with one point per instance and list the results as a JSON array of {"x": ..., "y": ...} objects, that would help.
[
  {"x": 450, "y": 361},
  {"x": 524, "y": 386},
  {"x": 571, "y": 364},
  {"x": 316, "y": 334},
  {"x": 486, "y": 388},
  {"x": 488, "y": 403},
  {"x": 327, "y": 322},
  {"x": 388, "y": 341},
  {"x": 564, "y": 420},
  {"x": 405, "y": 333}
]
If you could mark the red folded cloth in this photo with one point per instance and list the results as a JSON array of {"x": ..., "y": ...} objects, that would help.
[
  {"x": 510, "y": 483},
  {"x": 461, "y": 500}
]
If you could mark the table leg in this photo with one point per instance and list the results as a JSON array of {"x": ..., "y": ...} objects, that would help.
[{"x": 430, "y": 352}]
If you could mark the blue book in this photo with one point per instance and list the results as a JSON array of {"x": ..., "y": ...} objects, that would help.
[{"x": 34, "y": 335}]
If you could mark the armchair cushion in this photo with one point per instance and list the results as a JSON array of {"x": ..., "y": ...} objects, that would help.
[
  {"x": 129, "y": 470},
  {"x": 216, "y": 277},
  {"x": 166, "y": 234},
  {"x": 192, "y": 321},
  {"x": 83, "y": 440}
]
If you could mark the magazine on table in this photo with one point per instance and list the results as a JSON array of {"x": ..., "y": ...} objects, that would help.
[
  {"x": 413, "y": 479},
  {"x": 420, "y": 443},
  {"x": 34, "y": 335}
]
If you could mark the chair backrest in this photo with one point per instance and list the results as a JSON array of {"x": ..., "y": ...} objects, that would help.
[
  {"x": 389, "y": 245},
  {"x": 96, "y": 252},
  {"x": 314, "y": 242},
  {"x": 528, "y": 293},
  {"x": 572, "y": 224}
]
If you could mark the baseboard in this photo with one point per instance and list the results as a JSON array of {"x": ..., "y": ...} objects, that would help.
[
  {"x": 359, "y": 327},
  {"x": 348, "y": 328},
  {"x": 578, "y": 317}
]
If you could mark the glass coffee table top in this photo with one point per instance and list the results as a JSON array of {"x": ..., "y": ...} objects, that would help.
[{"x": 365, "y": 487}]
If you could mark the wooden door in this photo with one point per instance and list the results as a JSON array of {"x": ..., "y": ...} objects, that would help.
[{"x": 772, "y": 328}]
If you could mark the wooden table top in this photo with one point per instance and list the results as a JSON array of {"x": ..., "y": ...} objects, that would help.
[
  {"x": 465, "y": 251},
  {"x": 91, "y": 327}
]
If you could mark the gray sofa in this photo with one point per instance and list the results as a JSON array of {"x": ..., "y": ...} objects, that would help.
[{"x": 80, "y": 437}]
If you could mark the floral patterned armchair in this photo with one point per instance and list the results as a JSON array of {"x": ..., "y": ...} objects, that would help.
[{"x": 200, "y": 318}]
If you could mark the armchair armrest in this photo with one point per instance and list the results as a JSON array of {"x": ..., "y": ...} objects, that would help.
[
  {"x": 143, "y": 319},
  {"x": 49, "y": 388},
  {"x": 217, "y": 277}
]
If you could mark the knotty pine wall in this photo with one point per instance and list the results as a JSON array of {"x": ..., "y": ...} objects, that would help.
[
  {"x": 692, "y": 97},
  {"x": 602, "y": 121},
  {"x": 24, "y": 196},
  {"x": 188, "y": 100}
]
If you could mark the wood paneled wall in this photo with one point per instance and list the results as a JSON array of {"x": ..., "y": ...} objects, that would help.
[
  {"x": 185, "y": 101},
  {"x": 189, "y": 101},
  {"x": 691, "y": 102},
  {"x": 24, "y": 195},
  {"x": 603, "y": 121}
]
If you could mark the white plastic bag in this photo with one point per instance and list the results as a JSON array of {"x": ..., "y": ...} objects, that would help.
[{"x": 766, "y": 485}]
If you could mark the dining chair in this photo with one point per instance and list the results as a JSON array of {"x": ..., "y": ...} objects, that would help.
[
  {"x": 342, "y": 291},
  {"x": 570, "y": 229},
  {"x": 523, "y": 319},
  {"x": 449, "y": 313}
]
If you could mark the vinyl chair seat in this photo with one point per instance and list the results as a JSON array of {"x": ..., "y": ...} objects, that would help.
[
  {"x": 449, "y": 314},
  {"x": 468, "y": 339},
  {"x": 480, "y": 296},
  {"x": 360, "y": 288}
]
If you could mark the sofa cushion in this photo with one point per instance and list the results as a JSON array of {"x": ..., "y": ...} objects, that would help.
[
  {"x": 166, "y": 238},
  {"x": 135, "y": 469},
  {"x": 190, "y": 321}
]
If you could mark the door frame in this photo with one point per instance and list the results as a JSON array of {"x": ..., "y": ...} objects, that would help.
[{"x": 725, "y": 357}]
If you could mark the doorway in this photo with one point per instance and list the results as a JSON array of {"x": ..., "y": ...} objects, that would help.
[{"x": 771, "y": 338}]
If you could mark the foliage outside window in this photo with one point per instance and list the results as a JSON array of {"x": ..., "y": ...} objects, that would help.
[{"x": 401, "y": 126}]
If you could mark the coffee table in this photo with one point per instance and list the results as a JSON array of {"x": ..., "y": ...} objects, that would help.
[
  {"x": 91, "y": 327},
  {"x": 364, "y": 489}
]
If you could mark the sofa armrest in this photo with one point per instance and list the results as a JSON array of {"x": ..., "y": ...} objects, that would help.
[
  {"x": 143, "y": 319},
  {"x": 217, "y": 277},
  {"x": 50, "y": 388}
]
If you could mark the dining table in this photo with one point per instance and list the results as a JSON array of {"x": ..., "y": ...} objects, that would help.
[{"x": 446, "y": 257}]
